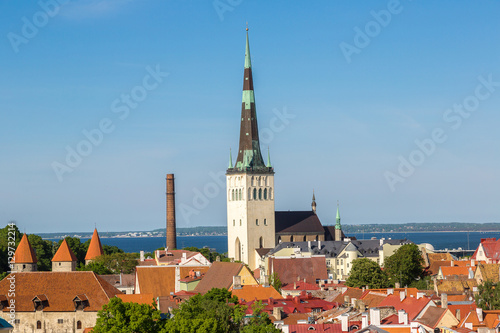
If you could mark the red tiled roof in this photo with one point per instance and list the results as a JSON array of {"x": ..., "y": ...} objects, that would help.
[
  {"x": 351, "y": 292},
  {"x": 432, "y": 316},
  {"x": 464, "y": 308},
  {"x": 317, "y": 328},
  {"x": 60, "y": 288},
  {"x": 24, "y": 253},
  {"x": 411, "y": 305},
  {"x": 491, "y": 247},
  {"x": 297, "y": 304},
  {"x": 291, "y": 270},
  {"x": 64, "y": 253},
  {"x": 95, "y": 247}
]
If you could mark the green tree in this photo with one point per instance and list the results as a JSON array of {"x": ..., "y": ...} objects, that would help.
[
  {"x": 211, "y": 256},
  {"x": 274, "y": 280},
  {"x": 113, "y": 263},
  {"x": 366, "y": 272},
  {"x": 118, "y": 317},
  {"x": 108, "y": 249},
  {"x": 95, "y": 267},
  {"x": 44, "y": 250},
  {"x": 217, "y": 312},
  {"x": 10, "y": 233},
  {"x": 405, "y": 265},
  {"x": 488, "y": 296}
]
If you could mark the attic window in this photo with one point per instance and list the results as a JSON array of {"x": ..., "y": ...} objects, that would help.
[
  {"x": 80, "y": 301},
  {"x": 39, "y": 302},
  {"x": 4, "y": 302},
  {"x": 311, "y": 328}
]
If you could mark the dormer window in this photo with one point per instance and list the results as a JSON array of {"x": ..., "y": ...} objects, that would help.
[
  {"x": 80, "y": 301},
  {"x": 4, "y": 302},
  {"x": 40, "y": 302}
]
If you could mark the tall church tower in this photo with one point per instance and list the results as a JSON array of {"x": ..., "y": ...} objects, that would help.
[{"x": 250, "y": 185}]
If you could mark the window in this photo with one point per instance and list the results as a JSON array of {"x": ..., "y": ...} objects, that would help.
[
  {"x": 255, "y": 194},
  {"x": 17, "y": 321},
  {"x": 239, "y": 192},
  {"x": 60, "y": 321},
  {"x": 240, "y": 222},
  {"x": 252, "y": 181},
  {"x": 38, "y": 325},
  {"x": 265, "y": 194},
  {"x": 261, "y": 242},
  {"x": 347, "y": 265},
  {"x": 260, "y": 194},
  {"x": 78, "y": 325},
  {"x": 291, "y": 238},
  {"x": 347, "y": 255},
  {"x": 256, "y": 221},
  {"x": 265, "y": 221},
  {"x": 232, "y": 195},
  {"x": 234, "y": 223}
]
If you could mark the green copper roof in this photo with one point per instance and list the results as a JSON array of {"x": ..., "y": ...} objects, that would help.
[
  {"x": 337, "y": 224},
  {"x": 248, "y": 62},
  {"x": 230, "y": 159}
]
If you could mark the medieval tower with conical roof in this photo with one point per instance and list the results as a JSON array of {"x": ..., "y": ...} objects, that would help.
[{"x": 250, "y": 184}]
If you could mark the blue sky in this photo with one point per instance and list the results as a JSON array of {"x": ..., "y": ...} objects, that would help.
[{"x": 344, "y": 89}]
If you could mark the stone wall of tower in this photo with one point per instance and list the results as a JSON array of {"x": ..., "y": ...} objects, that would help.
[
  {"x": 25, "y": 268},
  {"x": 250, "y": 215},
  {"x": 63, "y": 266},
  {"x": 338, "y": 234}
]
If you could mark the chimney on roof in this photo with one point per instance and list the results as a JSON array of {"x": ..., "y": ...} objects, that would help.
[
  {"x": 142, "y": 255},
  {"x": 319, "y": 245},
  {"x": 444, "y": 301},
  {"x": 402, "y": 317},
  {"x": 304, "y": 280},
  {"x": 217, "y": 258},
  {"x": 364, "y": 320},
  {"x": 479, "y": 313},
  {"x": 298, "y": 278},
  {"x": 390, "y": 291},
  {"x": 402, "y": 295},
  {"x": 397, "y": 285},
  {"x": 184, "y": 257},
  {"x": 471, "y": 273},
  {"x": 457, "y": 315},
  {"x": 294, "y": 285},
  {"x": 171, "y": 228},
  {"x": 420, "y": 294},
  {"x": 381, "y": 241},
  {"x": 375, "y": 316},
  {"x": 473, "y": 263},
  {"x": 309, "y": 245},
  {"x": 296, "y": 299},
  {"x": 347, "y": 299},
  {"x": 452, "y": 263},
  {"x": 277, "y": 312},
  {"x": 236, "y": 282},
  {"x": 157, "y": 254},
  {"x": 344, "y": 319}
]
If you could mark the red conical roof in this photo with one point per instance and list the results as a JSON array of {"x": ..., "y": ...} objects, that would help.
[
  {"x": 24, "y": 252},
  {"x": 95, "y": 247},
  {"x": 64, "y": 253}
]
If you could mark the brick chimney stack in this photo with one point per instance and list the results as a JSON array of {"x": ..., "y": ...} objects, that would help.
[{"x": 171, "y": 232}]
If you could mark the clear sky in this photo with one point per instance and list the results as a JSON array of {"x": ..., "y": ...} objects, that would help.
[{"x": 344, "y": 91}]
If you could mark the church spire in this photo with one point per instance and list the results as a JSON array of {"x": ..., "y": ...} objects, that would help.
[
  {"x": 313, "y": 204},
  {"x": 249, "y": 154},
  {"x": 337, "y": 224}
]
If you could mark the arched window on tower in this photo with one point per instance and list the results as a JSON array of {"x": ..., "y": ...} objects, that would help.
[
  {"x": 78, "y": 325},
  {"x": 271, "y": 193},
  {"x": 261, "y": 243},
  {"x": 255, "y": 194},
  {"x": 265, "y": 194},
  {"x": 240, "y": 222},
  {"x": 239, "y": 194},
  {"x": 252, "y": 181},
  {"x": 38, "y": 325},
  {"x": 232, "y": 195},
  {"x": 249, "y": 193},
  {"x": 260, "y": 194}
]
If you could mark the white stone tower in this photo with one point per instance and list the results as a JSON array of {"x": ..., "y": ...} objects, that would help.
[{"x": 250, "y": 185}]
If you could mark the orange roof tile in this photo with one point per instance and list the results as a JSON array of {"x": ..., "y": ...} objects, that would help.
[
  {"x": 258, "y": 292},
  {"x": 60, "y": 289},
  {"x": 137, "y": 298},
  {"x": 411, "y": 305},
  {"x": 220, "y": 275},
  {"x": 24, "y": 252},
  {"x": 64, "y": 253},
  {"x": 95, "y": 247},
  {"x": 454, "y": 270},
  {"x": 160, "y": 280}
]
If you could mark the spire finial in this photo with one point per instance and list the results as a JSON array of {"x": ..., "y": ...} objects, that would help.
[
  {"x": 268, "y": 158},
  {"x": 230, "y": 159},
  {"x": 313, "y": 204},
  {"x": 337, "y": 224},
  {"x": 247, "y": 26}
]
